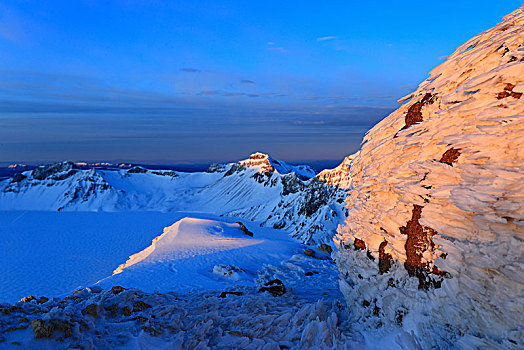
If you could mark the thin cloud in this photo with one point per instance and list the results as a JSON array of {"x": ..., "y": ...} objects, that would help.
[
  {"x": 309, "y": 122},
  {"x": 271, "y": 47},
  {"x": 278, "y": 49},
  {"x": 442, "y": 58},
  {"x": 190, "y": 70},
  {"x": 246, "y": 81},
  {"x": 326, "y": 38}
]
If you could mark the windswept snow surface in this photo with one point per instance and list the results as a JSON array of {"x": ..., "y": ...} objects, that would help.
[
  {"x": 190, "y": 249},
  {"x": 50, "y": 253}
]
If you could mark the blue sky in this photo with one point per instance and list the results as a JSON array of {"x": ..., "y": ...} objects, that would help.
[{"x": 201, "y": 81}]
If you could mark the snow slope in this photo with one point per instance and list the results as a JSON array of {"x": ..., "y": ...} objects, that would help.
[
  {"x": 189, "y": 251},
  {"x": 258, "y": 189},
  {"x": 209, "y": 272},
  {"x": 433, "y": 240},
  {"x": 51, "y": 253}
]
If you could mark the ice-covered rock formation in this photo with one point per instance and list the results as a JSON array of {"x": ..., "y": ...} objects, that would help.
[
  {"x": 340, "y": 176},
  {"x": 434, "y": 236}
]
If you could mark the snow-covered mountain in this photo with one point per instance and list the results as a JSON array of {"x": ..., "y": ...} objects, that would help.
[
  {"x": 433, "y": 240},
  {"x": 259, "y": 188}
]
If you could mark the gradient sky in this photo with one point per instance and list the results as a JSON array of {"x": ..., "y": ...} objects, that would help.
[{"x": 199, "y": 81}]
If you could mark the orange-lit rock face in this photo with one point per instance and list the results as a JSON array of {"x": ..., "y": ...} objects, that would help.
[{"x": 443, "y": 177}]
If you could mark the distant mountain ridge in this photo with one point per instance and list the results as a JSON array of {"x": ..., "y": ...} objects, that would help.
[{"x": 258, "y": 188}]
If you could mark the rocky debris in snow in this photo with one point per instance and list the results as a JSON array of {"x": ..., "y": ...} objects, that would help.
[
  {"x": 310, "y": 253},
  {"x": 450, "y": 156},
  {"x": 384, "y": 259},
  {"x": 359, "y": 244},
  {"x": 469, "y": 114},
  {"x": 31, "y": 298},
  {"x": 226, "y": 293},
  {"x": 117, "y": 289},
  {"x": 182, "y": 321},
  {"x": 140, "y": 306},
  {"x": 244, "y": 229},
  {"x": 91, "y": 310},
  {"x": 227, "y": 270},
  {"x": 46, "y": 328},
  {"x": 508, "y": 91},
  {"x": 325, "y": 248},
  {"x": 414, "y": 113},
  {"x": 275, "y": 287}
]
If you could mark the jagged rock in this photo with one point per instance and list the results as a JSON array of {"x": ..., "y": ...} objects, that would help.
[
  {"x": 291, "y": 184},
  {"x": 310, "y": 253},
  {"x": 57, "y": 171},
  {"x": 275, "y": 287},
  {"x": 137, "y": 170},
  {"x": 165, "y": 173},
  {"x": 41, "y": 328},
  {"x": 30, "y": 298},
  {"x": 91, "y": 310},
  {"x": 216, "y": 168},
  {"x": 225, "y": 294},
  {"x": 45, "y": 329},
  {"x": 235, "y": 168},
  {"x": 18, "y": 178},
  {"x": 140, "y": 306},
  {"x": 325, "y": 248},
  {"x": 244, "y": 229},
  {"x": 117, "y": 289}
]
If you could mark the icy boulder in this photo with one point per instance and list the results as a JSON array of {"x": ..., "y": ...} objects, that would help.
[{"x": 433, "y": 240}]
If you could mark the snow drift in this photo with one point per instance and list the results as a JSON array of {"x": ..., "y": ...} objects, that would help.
[{"x": 433, "y": 240}]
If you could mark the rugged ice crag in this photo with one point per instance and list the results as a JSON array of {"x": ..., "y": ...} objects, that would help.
[
  {"x": 433, "y": 240},
  {"x": 259, "y": 188},
  {"x": 340, "y": 176}
]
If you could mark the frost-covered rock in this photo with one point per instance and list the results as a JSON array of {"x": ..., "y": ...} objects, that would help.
[
  {"x": 433, "y": 240},
  {"x": 133, "y": 319},
  {"x": 340, "y": 176}
]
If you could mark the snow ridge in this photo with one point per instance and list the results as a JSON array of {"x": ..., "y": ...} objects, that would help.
[{"x": 433, "y": 240}]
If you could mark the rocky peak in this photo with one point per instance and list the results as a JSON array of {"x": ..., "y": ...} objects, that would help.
[
  {"x": 340, "y": 176},
  {"x": 260, "y": 161},
  {"x": 264, "y": 163},
  {"x": 56, "y": 171}
]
